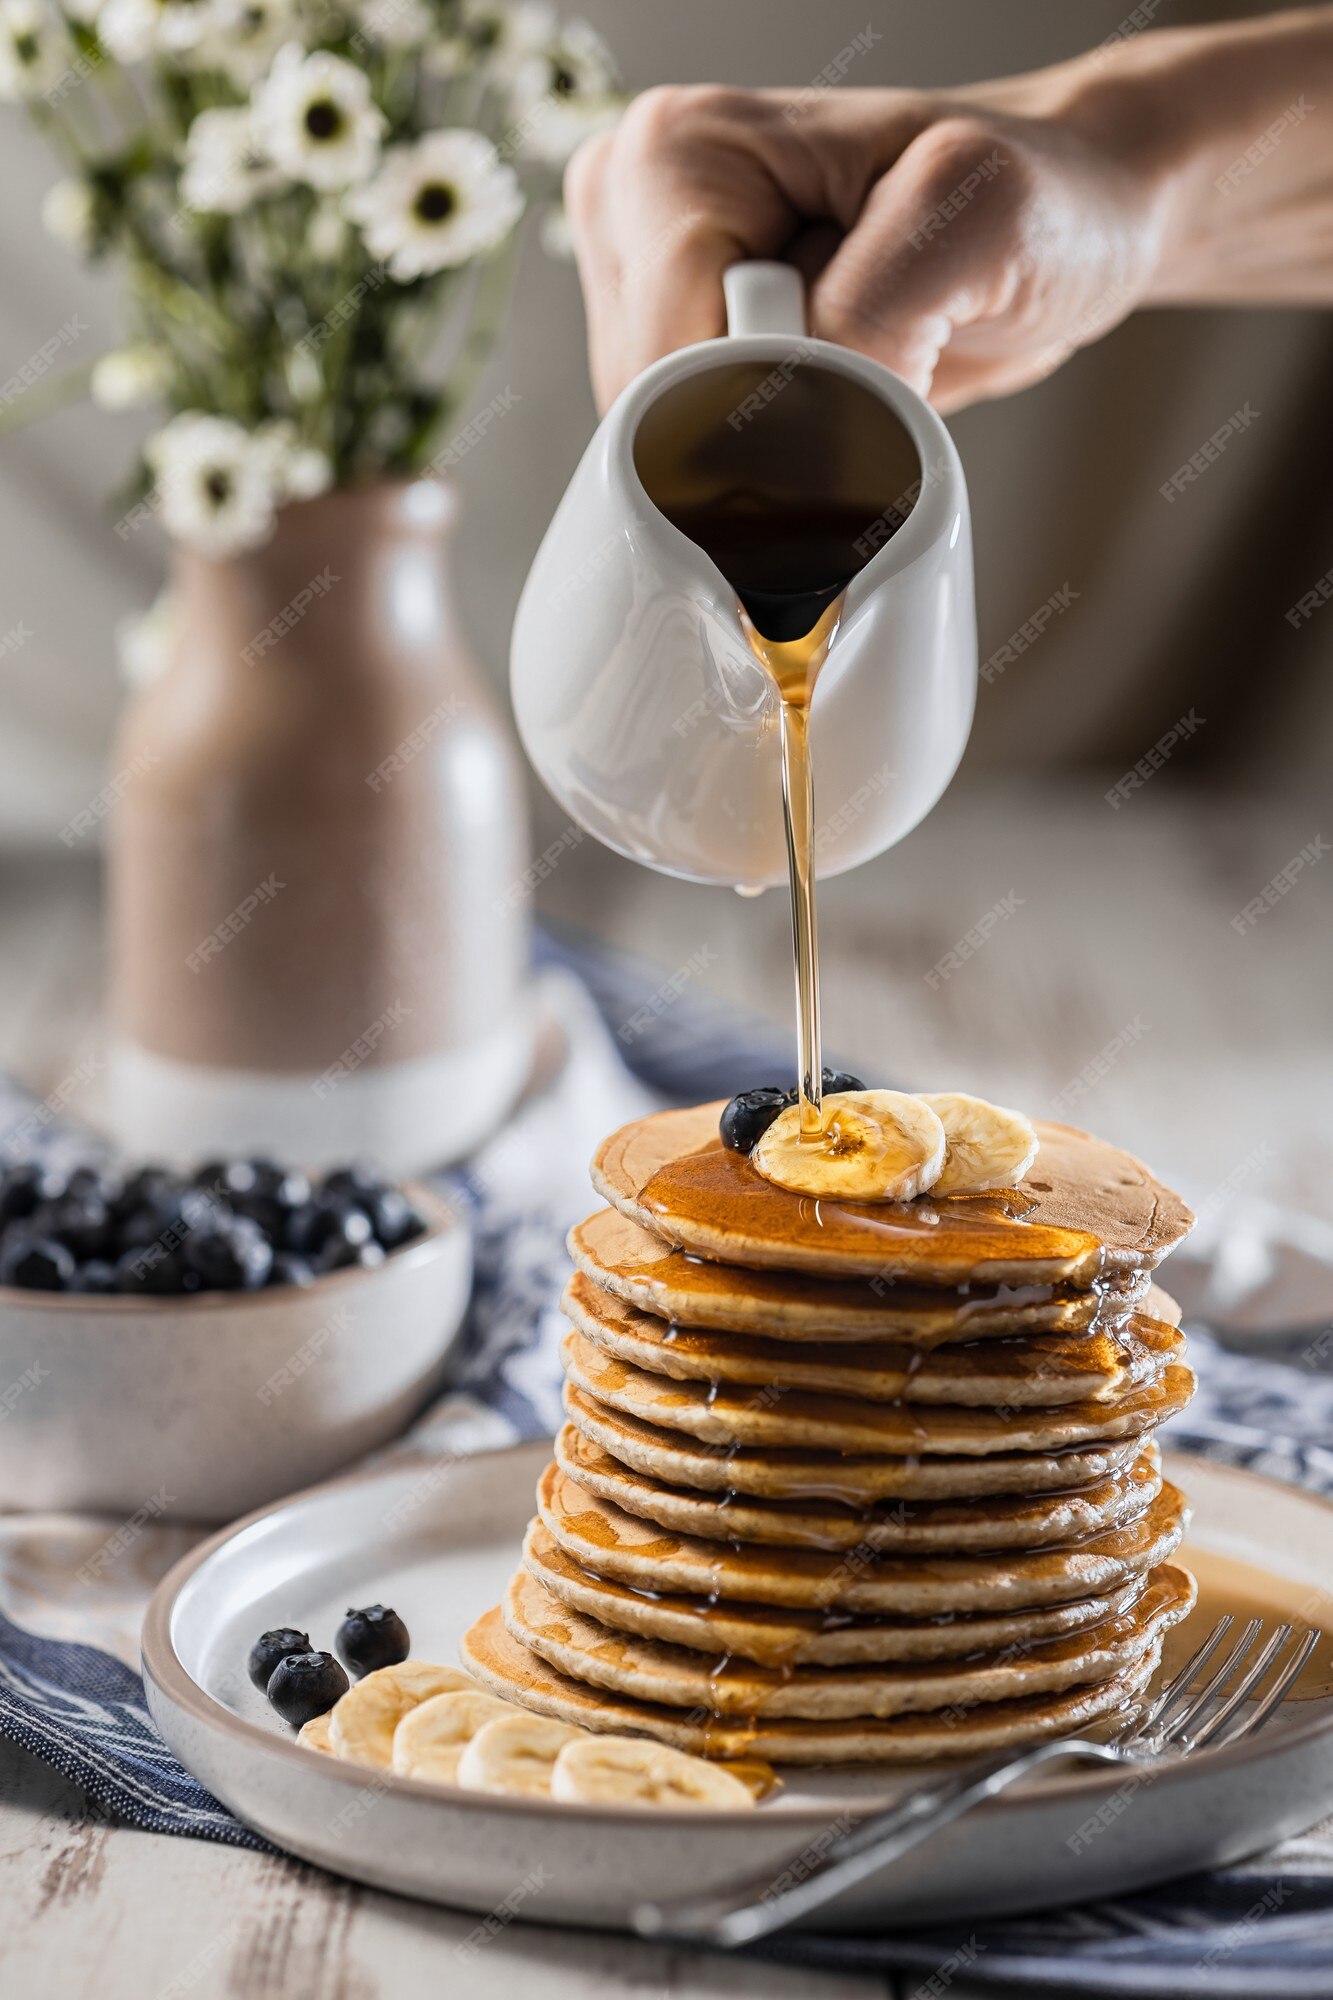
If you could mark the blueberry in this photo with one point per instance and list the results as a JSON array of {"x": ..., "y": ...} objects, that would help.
[
  {"x": 375, "y": 1637},
  {"x": 37, "y": 1263},
  {"x": 269, "y": 1648},
  {"x": 148, "y": 1187},
  {"x": 350, "y": 1244},
  {"x": 354, "y": 1184},
  {"x": 840, "y": 1079},
  {"x": 392, "y": 1217},
  {"x": 89, "y": 1184},
  {"x": 289, "y": 1269},
  {"x": 97, "y": 1275},
  {"x": 747, "y": 1117},
  {"x": 24, "y": 1188},
  {"x": 228, "y": 1255},
  {"x": 81, "y": 1222},
  {"x": 304, "y": 1685},
  {"x": 327, "y": 1219}
]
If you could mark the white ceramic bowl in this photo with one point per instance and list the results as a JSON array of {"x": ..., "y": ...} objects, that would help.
[{"x": 198, "y": 1409}]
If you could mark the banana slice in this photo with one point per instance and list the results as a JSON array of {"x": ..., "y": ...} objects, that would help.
[
  {"x": 631, "y": 1771},
  {"x": 315, "y": 1733},
  {"x": 430, "y": 1740},
  {"x": 876, "y": 1145},
  {"x": 362, "y": 1723},
  {"x": 515, "y": 1754},
  {"x": 985, "y": 1145}
]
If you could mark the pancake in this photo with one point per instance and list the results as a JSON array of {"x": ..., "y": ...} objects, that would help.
[
  {"x": 910, "y": 1528},
  {"x": 845, "y": 1477},
  {"x": 646, "y": 1271},
  {"x": 776, "y": 1636},
  {"x": 604, "y": 1539},
  {"x": 517, "y": 1674},
  {"x": 1035, "y": 1371},
  {"x": 1085, "y": 1212},
  {"x": 725, "y": 1416},
  {"x": 652, "y": 1671}
]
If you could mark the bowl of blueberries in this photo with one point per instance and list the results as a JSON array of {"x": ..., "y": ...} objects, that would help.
[{"x": 190, "y": 1345}]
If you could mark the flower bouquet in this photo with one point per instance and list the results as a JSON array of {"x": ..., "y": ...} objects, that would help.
[{"x": 315, "y": 202}]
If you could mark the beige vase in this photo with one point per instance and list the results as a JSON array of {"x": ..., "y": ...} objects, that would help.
[{"x": 316, "y": 859}]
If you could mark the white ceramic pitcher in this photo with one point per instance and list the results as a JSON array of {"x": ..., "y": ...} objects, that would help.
[{"x": 637, "y": 695}]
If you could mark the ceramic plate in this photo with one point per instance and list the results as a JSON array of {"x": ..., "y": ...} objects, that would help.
[{"x": 439, "y": 1540}]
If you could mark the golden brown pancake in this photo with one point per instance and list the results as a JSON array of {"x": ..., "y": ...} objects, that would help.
[
  {"x": 513, "y": 1672},
  {"x": 604, "y": 1539},
  {"x": 1026, "y": 1371},
  {"x": 791, "y": 1419},
  {"x": 650, "y": 1670},
  {"x": 1085, "y": 1212},
  {"x": 901, "y": 1526},
  {"x": 779, "y": 1636},
  {"x": 853, "y": 1479},
  {"x": 648, "y": 1272}
]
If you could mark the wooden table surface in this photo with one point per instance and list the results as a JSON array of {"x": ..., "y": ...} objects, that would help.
[{"x": 1108, "y": 920}]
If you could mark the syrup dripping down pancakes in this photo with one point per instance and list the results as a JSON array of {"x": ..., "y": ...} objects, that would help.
[{"x": 853, "y": 1482}]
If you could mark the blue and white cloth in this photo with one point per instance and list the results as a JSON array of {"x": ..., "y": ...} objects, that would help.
[{"x": 1264, "y": 1928}]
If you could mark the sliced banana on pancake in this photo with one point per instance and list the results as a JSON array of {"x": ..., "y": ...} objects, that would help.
[
  {"x": 631, "y": 1771},
  {"x": 362, "y": 1723},
  {"x": 985, "y": 1145},
  {"x": 875, "y": 1145},
  {"x": 514, "y": 1755},
  {"x": 430, "y": 1740},
  {"x": 315, "y": 1733}
]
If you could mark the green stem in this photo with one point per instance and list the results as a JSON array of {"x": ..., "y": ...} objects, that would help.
[{"x": 45, "y": 398}]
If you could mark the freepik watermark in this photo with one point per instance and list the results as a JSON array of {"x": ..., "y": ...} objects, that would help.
[
  {"x": 1134, "y": 23},
  {"x": 473, "y": 432},
  {"x": 503, "y": 1914},
  {"x": 666, "y": 995},
  {"x": 1152, "y": 760},
  {"x": 1281, "y": 885},
  {"x": 291, "y": 614},
  {"x": 97, "y": 808},
  {"x": 231, "y": 926},
  {"x": 967, "y": 190},
  {"x": 970, "y": 943},
  {"x": 1101, "y": 1064},
  {"x": 945, "y": 1973},
  {"x": 1028, "y": 633},
  {"x": 361, "y": 1050},
  {"x": 1312, "y": 600},
  {"x": 1268, "y": 142},
  {"x": 852, "y": 808},
  {"x": 768, "y": 388},
  {"x": 831, "y": 74},
  {"x": 41, "y": 360},
  {"x": 15, "y": 639},
  {"x": 597, "y": 559},
  {"x": 342, "y": 311},
  {"x": 125, "y": 1536},
  {"x": 412, "y": 745},
  {"x": 10, "y": 1398},
  {"x": 537, "y": 871},
  {"x": 1208, "y": 453},
  {"x": 18, "y": 1140}
]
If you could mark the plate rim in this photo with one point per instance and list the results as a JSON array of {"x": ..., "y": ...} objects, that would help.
[{"x": 161, "y": 1665}]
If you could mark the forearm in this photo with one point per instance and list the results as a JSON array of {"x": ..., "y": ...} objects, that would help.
[{"x": 1235, "y": 126}]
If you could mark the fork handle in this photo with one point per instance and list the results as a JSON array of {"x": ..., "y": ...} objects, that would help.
[{"x": 755, "y": 1909}]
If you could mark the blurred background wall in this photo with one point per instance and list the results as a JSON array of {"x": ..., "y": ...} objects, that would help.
[{"x": 1176, "y": 605}]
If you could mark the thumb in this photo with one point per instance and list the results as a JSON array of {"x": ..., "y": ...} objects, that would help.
[{"x": 932, "y": 249}]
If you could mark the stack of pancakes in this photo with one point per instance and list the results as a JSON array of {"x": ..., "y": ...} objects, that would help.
[{"x": 853, "y": 1482}]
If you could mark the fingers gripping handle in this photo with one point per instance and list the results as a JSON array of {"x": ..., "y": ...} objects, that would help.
[{"x": 765, "y": 298}]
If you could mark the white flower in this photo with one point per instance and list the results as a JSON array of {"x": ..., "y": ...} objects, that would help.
[
  {"x": 442, "y": 201},
  {"x": 214, "y": 483},
  {"x": 33, "y": 51},
  {"x": 225, "y": 170},
  {"x": 85, "y": 12},
  {"x": 128, "y": 376},
  {"x": 296, "y": 471},
  {"x": 132, "y": 30},
  {"x": 69, "y": 214},
  {"x": 396, "y": 24},
  {"x": 314, "y": 116},
  {"x": 565, "y": 94},
  {"x": 145, "y": 641},
  {"x": 244, "y": 36},
  {"x": 507, "y": 35}
]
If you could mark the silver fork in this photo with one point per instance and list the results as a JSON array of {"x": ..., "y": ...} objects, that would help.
[{"x": 1182, "y": 1719}]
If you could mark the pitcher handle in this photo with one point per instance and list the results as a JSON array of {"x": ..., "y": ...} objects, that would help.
[{"x": 765, "y": 298}]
